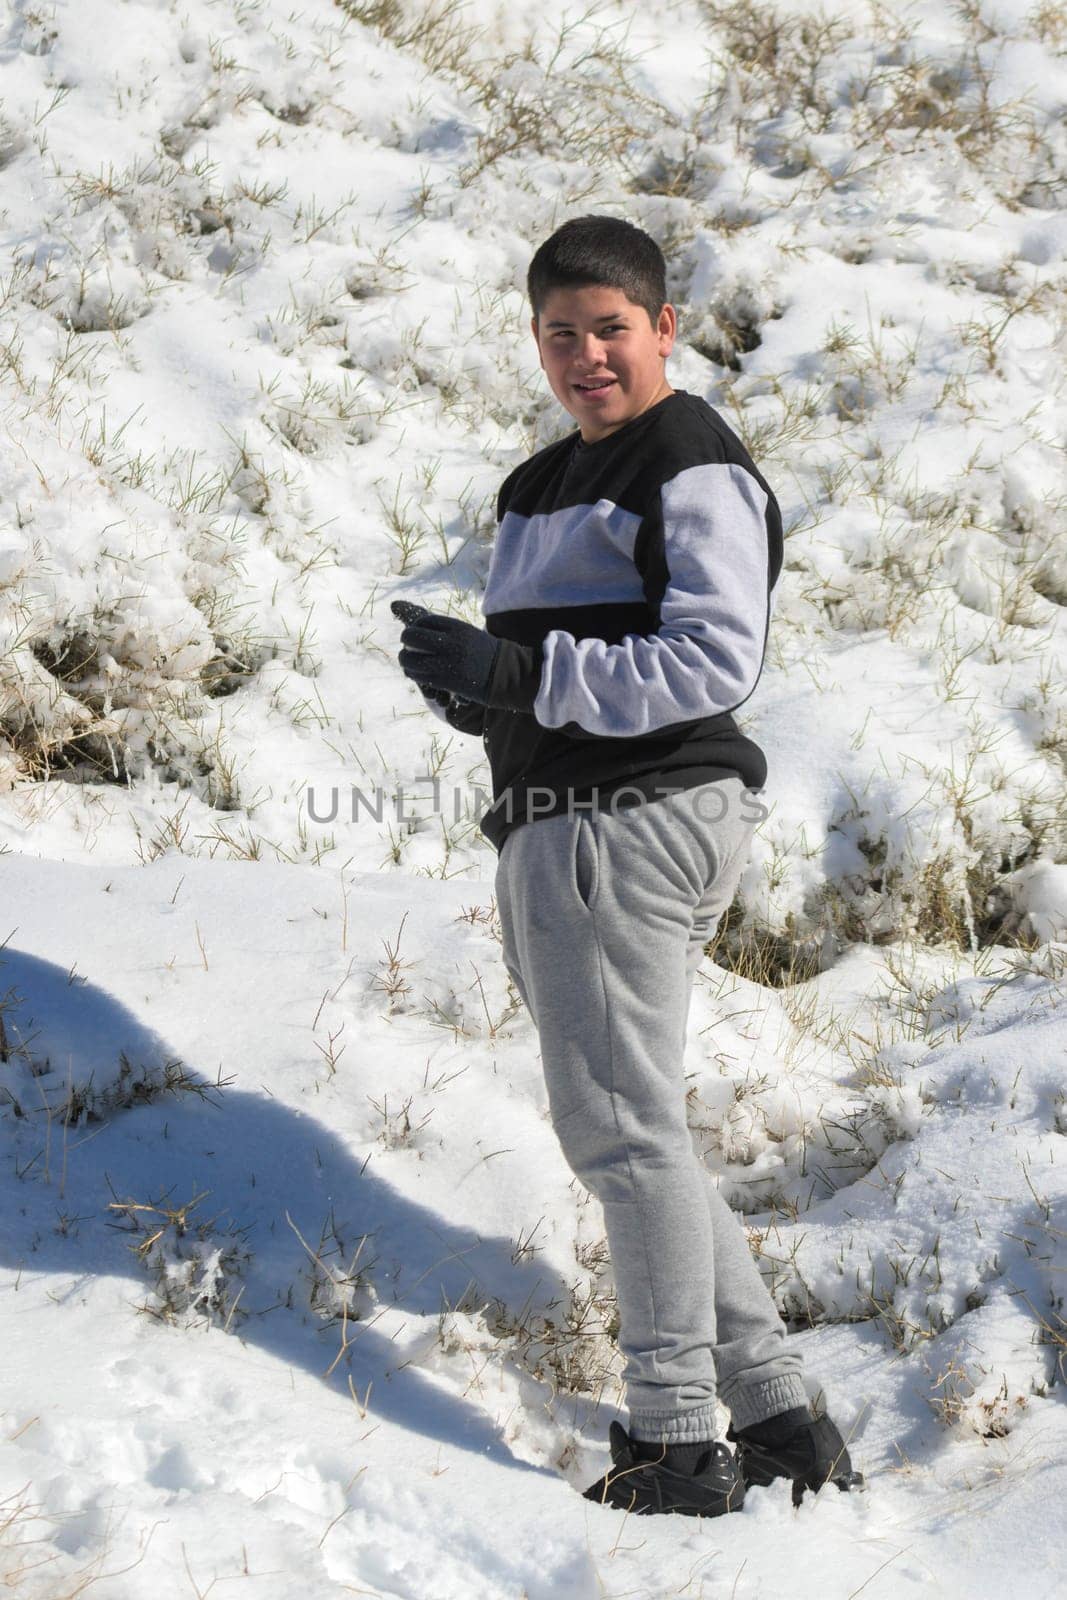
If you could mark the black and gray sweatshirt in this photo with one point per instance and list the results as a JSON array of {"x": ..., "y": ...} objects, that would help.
[{"x": 632, "y": 583}]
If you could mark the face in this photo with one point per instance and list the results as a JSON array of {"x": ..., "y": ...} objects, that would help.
[{"x": 602, "y": 356}]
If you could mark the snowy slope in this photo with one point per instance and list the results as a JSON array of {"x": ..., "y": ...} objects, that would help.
[
  {"x": 296, "y": 1287},
  {"x": 336, "y": 1321}
]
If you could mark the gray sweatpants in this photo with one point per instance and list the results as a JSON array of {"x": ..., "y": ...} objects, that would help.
[{"x": 604, "y": 920}]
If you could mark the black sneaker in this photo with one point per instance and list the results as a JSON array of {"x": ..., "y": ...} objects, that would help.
[
  {"x": 645, "y": 1487},
  {"x": 808, "y": 1450}
]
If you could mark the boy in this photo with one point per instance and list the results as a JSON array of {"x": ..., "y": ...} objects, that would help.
[{"x": 626, "y": 610}]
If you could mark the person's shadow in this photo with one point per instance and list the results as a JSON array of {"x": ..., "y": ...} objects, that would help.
[{"x": 86, "y": 1196}]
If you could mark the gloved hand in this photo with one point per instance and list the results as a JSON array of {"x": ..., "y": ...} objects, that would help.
[
  {"x": 445, "y": 654},
  {"x": 438, "y": 697}
]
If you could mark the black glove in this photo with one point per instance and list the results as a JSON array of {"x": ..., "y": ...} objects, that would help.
[
  {"x": 465, "y": 716},
  {"x": 440, "y": 697},
  {"x": 445, "y": 653}
]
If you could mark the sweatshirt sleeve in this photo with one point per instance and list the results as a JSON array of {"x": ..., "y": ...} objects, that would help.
[{"x": 707, "y": 654}]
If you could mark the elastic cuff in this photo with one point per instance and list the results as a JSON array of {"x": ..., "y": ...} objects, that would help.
[
  {"x": 515, "y": 678},
  {"x": 673, "y": 1427},
  {"x": 759, "y": 1401}
]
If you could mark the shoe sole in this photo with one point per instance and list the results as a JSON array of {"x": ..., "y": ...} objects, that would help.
[
  {"x": 615, "y": 1498},
  {"x": 760, "y": 1474},
  {"x": 647, "y": 1490}
]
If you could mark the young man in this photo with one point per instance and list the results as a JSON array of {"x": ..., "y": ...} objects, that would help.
[{"x": 626, "y": 610}]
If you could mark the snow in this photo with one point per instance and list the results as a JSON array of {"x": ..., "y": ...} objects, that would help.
[{"x": 296, "y": 1287}]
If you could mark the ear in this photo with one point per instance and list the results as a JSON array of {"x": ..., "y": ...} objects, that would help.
[{"x": 667, "y": 330}]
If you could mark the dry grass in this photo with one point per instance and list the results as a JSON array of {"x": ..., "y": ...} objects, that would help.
[{"x": 31, "y": 1567}]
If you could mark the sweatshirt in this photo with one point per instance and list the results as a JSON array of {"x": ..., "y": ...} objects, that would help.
[{"x": 632, "y": 583}]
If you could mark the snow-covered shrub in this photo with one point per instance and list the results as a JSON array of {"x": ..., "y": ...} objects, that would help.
[{"x": 194, "y": 1266}]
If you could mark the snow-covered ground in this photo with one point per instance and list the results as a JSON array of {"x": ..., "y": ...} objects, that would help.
[{"x": 296, "y": 1292}]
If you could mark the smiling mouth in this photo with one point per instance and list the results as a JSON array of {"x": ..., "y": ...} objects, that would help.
[{"x": 592, "y": 385}]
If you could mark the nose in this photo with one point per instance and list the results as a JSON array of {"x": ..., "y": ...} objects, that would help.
[{"x": 591, "y": 350}]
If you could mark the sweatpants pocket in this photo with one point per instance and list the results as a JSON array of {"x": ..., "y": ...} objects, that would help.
[{"x": 585, "y": 864}]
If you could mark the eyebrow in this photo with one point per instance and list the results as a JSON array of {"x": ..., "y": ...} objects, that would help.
[{"x": 610, "y": 316}]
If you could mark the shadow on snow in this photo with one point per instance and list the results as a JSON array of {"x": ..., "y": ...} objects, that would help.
[{"x": 254, "y": 1160}]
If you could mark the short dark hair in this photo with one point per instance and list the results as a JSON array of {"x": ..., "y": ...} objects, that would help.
[{"x": 600, "y": 250}]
